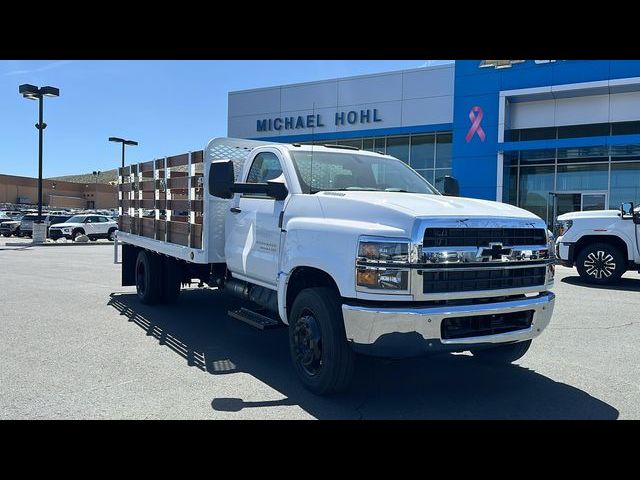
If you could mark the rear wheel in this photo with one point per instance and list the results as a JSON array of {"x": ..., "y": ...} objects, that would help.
[
  {"x": 148, "y": 277},
  {"x": 321, "y": 356},
  {"x": 601, "y": 263},
  {"x": 504, "y": 353}
]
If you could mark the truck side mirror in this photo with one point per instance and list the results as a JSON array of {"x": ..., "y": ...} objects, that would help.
[
  {"x": 451, "y": 186},
  {"x": 221, "y": 179},
  {"x": 277, "y": 189},
  {"x": 626, "y": 210}
]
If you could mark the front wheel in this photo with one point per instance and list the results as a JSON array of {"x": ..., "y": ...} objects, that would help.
[
  {"x": 111, "y": 235},
  {"x": 503, "y": 353},
  {"x": 601, "y": 264},
  {"x": 321, "y": 356}
]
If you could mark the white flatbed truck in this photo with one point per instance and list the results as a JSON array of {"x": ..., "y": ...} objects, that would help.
[{"x": 352, "y": 250}]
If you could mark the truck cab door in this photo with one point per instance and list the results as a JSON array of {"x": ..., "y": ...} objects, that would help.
[{"x": 252, "y": 230}]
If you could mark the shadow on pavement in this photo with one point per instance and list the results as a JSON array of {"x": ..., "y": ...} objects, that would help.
[
  {"x": 625, "y": 284},
  {"x": 198, "y": 329}
]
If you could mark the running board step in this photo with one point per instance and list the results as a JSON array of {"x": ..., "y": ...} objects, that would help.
[{"x": 255, "y": 319}]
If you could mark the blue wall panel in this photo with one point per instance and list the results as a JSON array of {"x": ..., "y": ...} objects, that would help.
[{"x": 475, "y": 162}]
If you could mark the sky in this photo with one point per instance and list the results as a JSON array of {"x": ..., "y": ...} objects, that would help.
[{"x": 169, "y": 106}]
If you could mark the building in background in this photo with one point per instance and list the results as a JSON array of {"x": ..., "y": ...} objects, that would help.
[
  {"x": 57, "y": 193},
  {"x": 550, "y": 136}
]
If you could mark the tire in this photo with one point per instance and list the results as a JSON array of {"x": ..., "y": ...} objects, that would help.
[
  {"x": 148, "y": 275},
  {"x": 601, "y": 264},
  {"x": 76, "y": 233},
  {"x": 171, "y": 280},
  {"x": 502, "y": 354},
  {"x": 322, "y": 358},
  {"x": 6, "y": 235},
  {"x": 111, "y": 234},
  {"x": 93, "y": 239}
]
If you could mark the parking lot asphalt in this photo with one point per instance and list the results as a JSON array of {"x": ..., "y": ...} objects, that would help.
[{"x": 75, "y": 344}]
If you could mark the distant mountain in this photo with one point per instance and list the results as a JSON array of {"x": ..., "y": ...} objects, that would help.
[{"x": 106, "y": 177}]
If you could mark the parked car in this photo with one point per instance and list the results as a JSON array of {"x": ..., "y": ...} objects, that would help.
[
  {"x": 601, "y": 244},
  {"x": 56, "y": 218},
  {"x": 12, "y": 214},
  {"x": 93, "y": 226},
  {"x": 10, "y": 227},
  {"x": 26, "y": 223}
]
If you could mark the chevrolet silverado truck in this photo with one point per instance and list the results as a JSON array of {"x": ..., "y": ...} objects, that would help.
[
  {"x": 352, "y": 250},
  {"x": 601, "y": 244}
]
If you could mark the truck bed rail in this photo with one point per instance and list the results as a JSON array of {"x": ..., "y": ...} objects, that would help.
[{"x": 162, "y": 199}]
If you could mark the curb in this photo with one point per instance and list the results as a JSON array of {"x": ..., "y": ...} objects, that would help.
[{"x": 54, "y": 244}]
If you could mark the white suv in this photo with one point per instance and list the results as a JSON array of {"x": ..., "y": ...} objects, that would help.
[
  {"x": 91, "y": 225},
  {"x": 602, "y": 244}
]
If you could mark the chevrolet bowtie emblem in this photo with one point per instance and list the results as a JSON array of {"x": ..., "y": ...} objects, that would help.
[{"x": 494, "y": 251}]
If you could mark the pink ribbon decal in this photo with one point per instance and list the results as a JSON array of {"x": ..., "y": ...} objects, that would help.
[{"x": 475, "y": 124}]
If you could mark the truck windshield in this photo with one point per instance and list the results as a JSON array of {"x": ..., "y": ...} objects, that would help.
[{"x": 353, "y": 171}]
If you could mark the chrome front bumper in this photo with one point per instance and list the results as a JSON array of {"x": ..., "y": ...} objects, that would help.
[{"x": 368, "y": 326}]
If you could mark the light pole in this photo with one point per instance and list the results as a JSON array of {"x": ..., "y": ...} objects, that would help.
[
  {"x": 31, "y": 92},
  {"x": 123, "y": 142}
]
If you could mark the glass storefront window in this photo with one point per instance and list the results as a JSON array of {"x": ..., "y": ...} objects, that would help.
[
  {"x": 624, "y": 152},
  {"x": 356, "y": 142},
  {"x": 439, "y": 175},
  {"x": 625, "y": 184},
  {"x": 510, "y": 185},
  {"x": 582, "y": 177},
  {"x": 398, "y": 147},
  {"x": 443, "y": 150},
  {"x": 427, "y": 174},
  {"x": 547, "y": 155},
  {"x": 544, "y": 133},
  {"x": 367, "y": 144},
  {"x": 422, "y": 151},
  {"x": 583, "y": 154},
  {"x": 625, "y": 128},
  {"x": 535, "y": 185},
  {"x": 587, "y": 130},
  {"x": 380, "y": 144}
]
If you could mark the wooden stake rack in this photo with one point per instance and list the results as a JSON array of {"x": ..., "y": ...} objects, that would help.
[{"x": 163, "y": 199}]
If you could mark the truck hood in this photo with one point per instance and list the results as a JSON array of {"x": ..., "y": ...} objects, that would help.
[
  {"x": 419, "y": 205},
  {"x": 589, "y": 214}
]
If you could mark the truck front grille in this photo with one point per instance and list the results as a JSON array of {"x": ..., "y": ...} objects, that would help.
[
  {"x": 481, "y": 325},
  {"x": 455, "y": 280},
  {"x": 482, "y": 237}
]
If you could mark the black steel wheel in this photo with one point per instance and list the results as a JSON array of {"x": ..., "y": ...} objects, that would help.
[
  {"x": 148, "y": 277},
  {"x": 307, "y": 339},
  {"x": 601, "y": 263},
  {"x": 321, "y": 355}
]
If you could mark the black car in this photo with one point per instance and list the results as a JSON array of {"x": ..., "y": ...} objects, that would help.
[{"x": 55, "y": 219}]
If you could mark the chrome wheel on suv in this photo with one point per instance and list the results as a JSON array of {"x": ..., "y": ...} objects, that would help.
[{"x": 600, "y": 263}]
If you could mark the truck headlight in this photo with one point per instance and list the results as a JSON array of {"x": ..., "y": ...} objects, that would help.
[
  {"x": 563, "y": 226},
  {"x": 381, "y": 265}
]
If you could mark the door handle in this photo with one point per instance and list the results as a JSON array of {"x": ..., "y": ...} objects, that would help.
[{"x": 235, "y": 210}]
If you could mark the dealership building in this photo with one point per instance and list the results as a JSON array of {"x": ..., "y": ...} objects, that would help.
[{"x": 550, "y": 136}]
